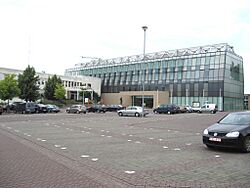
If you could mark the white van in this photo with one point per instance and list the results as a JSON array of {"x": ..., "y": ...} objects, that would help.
[{"x": 210, "y": 108}]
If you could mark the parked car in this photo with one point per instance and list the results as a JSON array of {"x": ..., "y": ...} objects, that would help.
[
  {"x": 26, "y": 107},
  {"x": 52, "y": 108},
  {"x": 209, "y": 108},
  {"x": 77, "y": 109},
  {"x": 97, "y": 108},
  {"x": 113, "y": 107},
  {"x": 132, "y": 111},
  {"x": 1, "y": 110},
  {"x": 189, "y": 109},
  {"x": 232, "y": 131},
  {"x": 41, "y": 108},
  {"x": 11, "y": 106},
  {"x": 166, "y": 109},
  {"x": 196, "y": 106}
]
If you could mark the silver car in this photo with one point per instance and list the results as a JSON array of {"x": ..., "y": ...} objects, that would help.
[
  {"x": 77, "y": 109},
  {"x": 132, "y": 111}
]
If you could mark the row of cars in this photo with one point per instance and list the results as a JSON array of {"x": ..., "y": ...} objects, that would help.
[
  {"x": 173, "y": 109},
  {"x": 29, "y": 107},
  {"x": 137, "y": 111},
  {"x": 93, "y": 108}
]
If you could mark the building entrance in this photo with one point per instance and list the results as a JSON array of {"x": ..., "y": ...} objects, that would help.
[{"x": 148, "y": 100}]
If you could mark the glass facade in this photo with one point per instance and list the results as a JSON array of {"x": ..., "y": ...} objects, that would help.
[{"x": 211, "y": 73}]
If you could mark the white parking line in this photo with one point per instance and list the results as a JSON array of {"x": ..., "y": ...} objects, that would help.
[
  {"x": 177, "y": 149},
  {"x": 129, "y": 172},
  {"x": 84, "y": 156},
  {"x": 94, "y": 159}
]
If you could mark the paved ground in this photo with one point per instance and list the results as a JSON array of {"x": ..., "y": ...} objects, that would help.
[{"x": 104, "y": 150}]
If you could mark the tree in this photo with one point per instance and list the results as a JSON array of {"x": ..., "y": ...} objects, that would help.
[
  {"x": 9, "y": 88},
  {"x": 27, "y": 83},
  {"x": 60, "y": 92},
  {"x": 49, "y": 90}
]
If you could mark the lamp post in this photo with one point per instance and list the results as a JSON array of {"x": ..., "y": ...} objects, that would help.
[{"x": 143, "y": 75}]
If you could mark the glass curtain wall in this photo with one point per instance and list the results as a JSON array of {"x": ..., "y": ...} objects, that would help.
[{"x": 215, "y": 76}]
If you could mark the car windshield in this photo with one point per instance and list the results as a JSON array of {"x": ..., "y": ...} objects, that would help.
[{"x": 236, "y": 119}]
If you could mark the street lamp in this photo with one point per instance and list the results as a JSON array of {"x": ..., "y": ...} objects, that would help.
[{"x": 143, "y": 75}]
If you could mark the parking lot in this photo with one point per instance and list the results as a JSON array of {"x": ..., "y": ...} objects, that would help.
[{"x": 105, "y": 150}]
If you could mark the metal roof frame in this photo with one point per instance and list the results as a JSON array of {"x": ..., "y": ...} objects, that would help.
[{"x": 96, "y": 63}]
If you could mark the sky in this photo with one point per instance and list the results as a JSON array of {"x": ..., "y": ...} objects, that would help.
[{"x": 52, "y": 35}]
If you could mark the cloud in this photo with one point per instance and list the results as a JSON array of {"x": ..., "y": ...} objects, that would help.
[{"x": 52, "y": 35}]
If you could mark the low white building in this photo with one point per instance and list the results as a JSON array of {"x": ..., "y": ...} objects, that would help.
[{"x": 72, "y": 84}]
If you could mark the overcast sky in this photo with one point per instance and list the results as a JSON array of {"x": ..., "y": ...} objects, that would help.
[{"x": 51, "y": 35}]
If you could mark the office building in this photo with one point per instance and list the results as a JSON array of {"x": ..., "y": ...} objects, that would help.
[{"x": 212, "y": 73}]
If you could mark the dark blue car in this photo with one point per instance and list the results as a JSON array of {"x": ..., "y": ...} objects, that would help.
[{"x": 232, "y": 131}]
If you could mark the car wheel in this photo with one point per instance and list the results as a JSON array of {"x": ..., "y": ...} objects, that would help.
[
  {"x": 120, "y": 114},
  {"x": 246, "y": 144},
  {"x": 155, "y": 112},
  {"x": 137, "y": 114},
  {"x": 77, "y": 112}
]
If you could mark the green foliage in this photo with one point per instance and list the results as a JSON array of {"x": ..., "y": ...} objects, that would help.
[
  {"x": 27, "y": 83},
  {"x": 88, "y": 94},
  {"x": 60, "y": 92},
  {"x": 9, "y": 87},
  {"x": 50, "y": 87},
  {"x": 96, "y": 97}
]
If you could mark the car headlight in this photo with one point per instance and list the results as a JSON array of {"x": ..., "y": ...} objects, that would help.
[
  {"x": 205, "y": 132},
  {"x": 233, "y": 134}
]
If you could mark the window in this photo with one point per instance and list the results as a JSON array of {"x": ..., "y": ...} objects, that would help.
[
  {"x": 171, "y": 77},
  {"x": 150, "y": 74},
  {"x": 157, "y": 74},
  {"x": 164, "y": 73}
]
